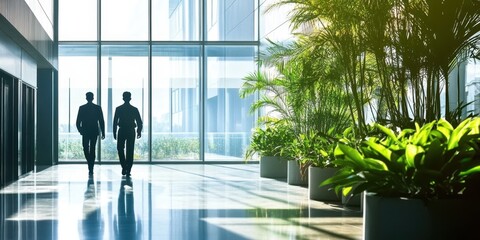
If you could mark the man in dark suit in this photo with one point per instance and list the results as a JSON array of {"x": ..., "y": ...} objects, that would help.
[
  {"x": 90, "y": 123},
  {"x": 126, "y": 117}
]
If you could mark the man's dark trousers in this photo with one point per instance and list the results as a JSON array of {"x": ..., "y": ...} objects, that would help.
[
  {"x": 89, "y": 143},
  {"x": 126, "y": 136}
]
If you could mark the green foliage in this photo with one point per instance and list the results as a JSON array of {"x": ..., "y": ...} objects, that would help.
[
  {"x": 175, "y": 148},
  {"x": 313, "y": 149},
  {"x": 398, "y": 53},
  {"x": 70, "y": 149},
  {"x": 302, "y": 94},
  {"x": 432, "y": 161},
  {"x": 274, "y": 140},
  {"x": 169, "y": 148}
]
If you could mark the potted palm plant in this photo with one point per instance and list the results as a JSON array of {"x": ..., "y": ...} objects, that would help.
[{"x": 420, "y": 183}]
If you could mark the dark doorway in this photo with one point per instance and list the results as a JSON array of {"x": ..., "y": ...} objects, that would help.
[
  {"x": 28, "y": 129},
  {"x": 8, "y": 127}
]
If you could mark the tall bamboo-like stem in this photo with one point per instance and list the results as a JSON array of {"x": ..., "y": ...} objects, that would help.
[{"x": 415, "y": 45}]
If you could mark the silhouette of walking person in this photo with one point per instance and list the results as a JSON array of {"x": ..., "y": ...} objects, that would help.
[
  {"x": 90, "y": 123},
  {"x": 126, "y": 117}
]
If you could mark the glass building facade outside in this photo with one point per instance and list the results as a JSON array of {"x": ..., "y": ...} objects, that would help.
[{"x": 182, "y": 60}]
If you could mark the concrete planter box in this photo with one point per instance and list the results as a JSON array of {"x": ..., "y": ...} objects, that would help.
[
  {"x": 352, "y": 201},
  {"x": 273, "y": 167},
  {"x": 294, "y": 176},
  {"x": 317, "y": 175},
  {"x": 403, "y": 218}
]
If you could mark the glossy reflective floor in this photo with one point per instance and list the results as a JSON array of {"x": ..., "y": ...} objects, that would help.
[{"x": 167, "y": 202}]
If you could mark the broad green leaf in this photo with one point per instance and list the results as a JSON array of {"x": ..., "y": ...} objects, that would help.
[
  {"x": 375, "y": 164},
  {"x": 382, "y": 150},
  {"x": 347, "y": 131},
  {"x": 417, "y": 127},
  {"x": 444, "y": 124},
  {"x": 475, "y": 126},
  {"x": 411, "y": 152},
  {"x": 438, "y": 135},
  {"x": 475, "y": 169},
  {"x": 351, "y": 153},
  {"x": 337, "y": 152},
  {"x": 445, "y": 131},
  {"x": 340, "y": 177},
  {"x": 405, "y": 132},
  {"x": 346, "y": 190},
  {"x": 458, "y": 133},
  {"x": 445, "y": 127},
  {"x": 323, "y": 153},
  {"x": 421, "y": 136},
  {"x": 387, "y": 131}
]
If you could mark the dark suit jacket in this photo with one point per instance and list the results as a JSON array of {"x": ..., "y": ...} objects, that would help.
[
  {"x": 89, "y": 119},
  {"x": 127, "y": 116}
]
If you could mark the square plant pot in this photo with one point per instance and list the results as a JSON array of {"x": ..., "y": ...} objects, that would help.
[
  {"x": 294, "y": 177},
  {"x": 407, "y": 218},
  {"x": 317, "y": 175},
  {"x": 273, "y": 167}
]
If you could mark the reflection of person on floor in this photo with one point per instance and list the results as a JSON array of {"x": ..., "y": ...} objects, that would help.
[
  {"x": 92, "y": 222},
  {"x": 125, "y": 225}
]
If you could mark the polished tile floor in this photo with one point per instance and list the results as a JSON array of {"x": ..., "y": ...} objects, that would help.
[{"x": 187, "y": 201}]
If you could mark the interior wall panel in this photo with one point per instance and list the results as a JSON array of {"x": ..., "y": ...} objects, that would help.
[
  {"x": 10, "y": 56},
  {"x": 19, "y": 22}
]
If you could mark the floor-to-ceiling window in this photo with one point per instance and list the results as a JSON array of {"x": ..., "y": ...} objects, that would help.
[
  {"x": 78, "y": 76},
  {"x": 472, "y": 86},
  {"x": 182, "y": 60},
  {"x": 124, "y": 68},
  {"x": 175, "y": 102},
  {"x": 228, "y": 122}
]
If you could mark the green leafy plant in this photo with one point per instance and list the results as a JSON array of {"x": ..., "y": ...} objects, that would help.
[
  {"x": 399, "y": 53},
  {"x": 270, "y": 141},
  {"x": 175, "y": 148},
  {"x": 302, "y": 94},
  {"x": 433, "y": 161},
  {"x": 312, "y": 149}
]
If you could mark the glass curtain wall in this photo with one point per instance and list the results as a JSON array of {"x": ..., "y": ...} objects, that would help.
[
  {"x": 472, "y": 86},
  {"x": 77, "y": 77},
  {"x": 182, "y": 60},
  {"x": 228, "y": 122},
  {"x": 124, "y": 68},
  {"x": 175, "y": 102}
]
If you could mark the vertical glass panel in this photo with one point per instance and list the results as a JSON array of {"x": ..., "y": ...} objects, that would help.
[
  {"x": 472, "y": 86},
  {"x": 124, "y": 68},
  {"x": 125, "y": 20},
  {"x": 273, "y": 27},
  {"x": 47, "y": 6},
  {"x": 77, "y": 75},
  {"x": 228, "y": 121},
  {"x": 175, "y": 102},
  {"x": 43, "y": 11},
  {"x": 175, "y": 20},
  {"x": 77, "y": 20},
  {"x": 229, "y": 20}
]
